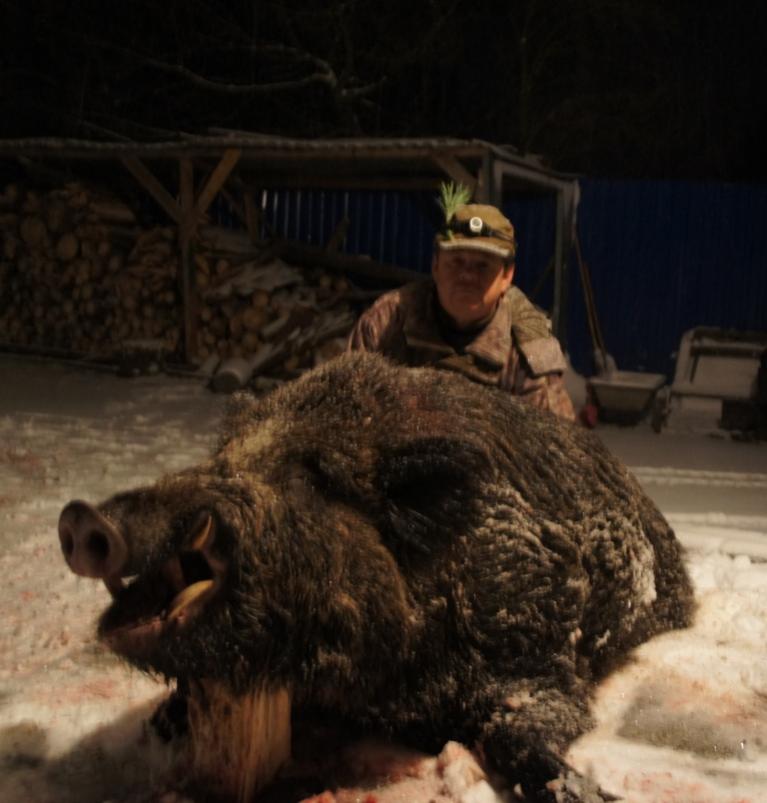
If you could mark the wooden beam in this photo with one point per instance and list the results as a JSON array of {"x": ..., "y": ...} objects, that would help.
[
  {"x": 252, "y": 217},
  {"x": 152, "y": 185},
  {"x": 266, "y": 153},
  {"x": 483, "y": 192},
  {"x": 186, "y": 227},
  {"x": 559, "y": 310},
  {"x": 312, "y": 256},
  {"x": 338, "y": 181},
  {"x": 186, "y": 192},
  {"x": 455, "y": 170},
  {"x": 216, "y": 181}
]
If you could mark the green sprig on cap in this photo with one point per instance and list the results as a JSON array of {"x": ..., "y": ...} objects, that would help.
[{"x": 452, "y": 196}]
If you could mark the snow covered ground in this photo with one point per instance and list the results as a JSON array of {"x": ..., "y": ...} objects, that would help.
[{"x": 686, "y": 721}]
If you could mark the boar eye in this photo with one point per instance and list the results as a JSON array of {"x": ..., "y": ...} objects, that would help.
[{"x": 194, "y": 567}]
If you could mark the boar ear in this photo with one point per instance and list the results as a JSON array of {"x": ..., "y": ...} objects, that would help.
[{"x": 430, "y": 488}]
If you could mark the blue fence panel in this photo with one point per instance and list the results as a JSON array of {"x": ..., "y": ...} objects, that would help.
[
  {"x": 391, "y": 227},
  {"x": 665, "y": 257}
]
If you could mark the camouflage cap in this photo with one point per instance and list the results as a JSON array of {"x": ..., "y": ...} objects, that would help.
[{"x": 480, "y": 228}]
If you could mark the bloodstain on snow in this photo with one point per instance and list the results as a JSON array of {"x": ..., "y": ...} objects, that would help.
[
  {"x": 667, "y": 787},
  {"x": 375, "y": 772},
  {"x": 325, "y": 797},
  {"x": 104, "y": 688},
  {"x": 21, "y": 459},
  {"x": 674, "y": 716}
]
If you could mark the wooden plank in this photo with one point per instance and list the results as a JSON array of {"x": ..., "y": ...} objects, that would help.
[
  {"x": 186, "y": 190},
  {"x": 187, "y": 224},
  {"x": 220, "y": 240},
  {"x": 455, "y": 170},
  {"x": 301, "y": 179},
  {"x": 559, "y": 309},
  {"x": 483, "y": 192},
  {"x": 216, "y": 181},
  {"x": 313, "y": 256},
  {"x": 347, "y": 153},
  {"x": 252, "y": 217},
  {"x": 268, "y": 152},
  {"x": 152, "y": 185}
]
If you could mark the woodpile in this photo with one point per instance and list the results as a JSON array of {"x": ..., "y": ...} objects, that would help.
[
  {"x": 79, "y": 274},
  {"x": 260, "y": 316}
]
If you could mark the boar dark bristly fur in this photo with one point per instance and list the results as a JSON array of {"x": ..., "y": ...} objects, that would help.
[{"x": 418, "y": 554}]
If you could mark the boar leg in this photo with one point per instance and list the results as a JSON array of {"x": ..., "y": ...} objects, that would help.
[
  {"x": 237, "y": 742},
  {"x": 527, "y": 738}
]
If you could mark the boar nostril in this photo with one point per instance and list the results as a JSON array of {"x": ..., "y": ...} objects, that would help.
[{"x": 98, "y": 545}]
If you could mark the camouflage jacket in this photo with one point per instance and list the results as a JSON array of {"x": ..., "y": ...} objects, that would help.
[{"x": 515, "y": 350}]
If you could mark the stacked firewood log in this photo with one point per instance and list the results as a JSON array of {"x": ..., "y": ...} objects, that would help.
[
  {"x": 244, "y": 306},
  {"x": 79, "y": 274},
  {"x": 260, "y": 315}
]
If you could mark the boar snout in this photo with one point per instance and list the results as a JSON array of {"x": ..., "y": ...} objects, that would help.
[{"x": 91, "y": 544}]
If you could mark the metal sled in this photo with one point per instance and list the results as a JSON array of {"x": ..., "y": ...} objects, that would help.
[{"x": 719, "y": 377}]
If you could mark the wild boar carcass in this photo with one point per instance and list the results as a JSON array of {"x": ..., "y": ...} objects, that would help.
[{"x": 422, "y": 556}]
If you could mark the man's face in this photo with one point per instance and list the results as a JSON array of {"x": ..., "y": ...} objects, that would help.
[{"x": 469, "y": 283}]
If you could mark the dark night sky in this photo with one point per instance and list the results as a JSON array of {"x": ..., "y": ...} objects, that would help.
[{"x": 651, "y": 89}]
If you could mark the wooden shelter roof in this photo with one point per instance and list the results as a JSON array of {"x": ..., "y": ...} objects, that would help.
[
  {"x": 166, "y": 170},
  {"x": 401, "y": 162}
]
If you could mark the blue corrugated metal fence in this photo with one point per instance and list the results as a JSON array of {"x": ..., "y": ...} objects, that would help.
[{"x": 663, "y": 256}]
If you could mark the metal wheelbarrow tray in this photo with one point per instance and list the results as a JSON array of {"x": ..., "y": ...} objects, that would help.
[{"x": 625, "y": 397}]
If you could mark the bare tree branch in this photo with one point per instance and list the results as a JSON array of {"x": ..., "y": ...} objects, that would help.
[{"x": 323, "y": 74}]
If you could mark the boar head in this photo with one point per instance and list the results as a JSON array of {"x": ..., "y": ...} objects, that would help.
[{"x": 180, "y": 561}]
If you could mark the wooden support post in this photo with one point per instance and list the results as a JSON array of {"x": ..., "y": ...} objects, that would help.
[
  {"x": 496, "y": 187},
  {"x": 216, "y": 181},
  {"x": 252, "y": 217},
  {"x": 191, "y": 212},
  {"x": 456, "y": 171},
  {"x": 187, "y": 225},
  {"x": 483, "y": 192},
  {"x": 187, "y": 213},
  {"x": 559, "y": 313}
]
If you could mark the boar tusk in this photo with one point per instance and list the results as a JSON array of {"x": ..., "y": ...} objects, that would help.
[
  {"x": 203, "y": 543},
  {"x": 189, "y": 595},
  {"x": 205, "y": 537}
]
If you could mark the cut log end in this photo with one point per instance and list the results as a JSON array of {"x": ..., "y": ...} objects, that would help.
[{"x": 237, "y": 743}]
